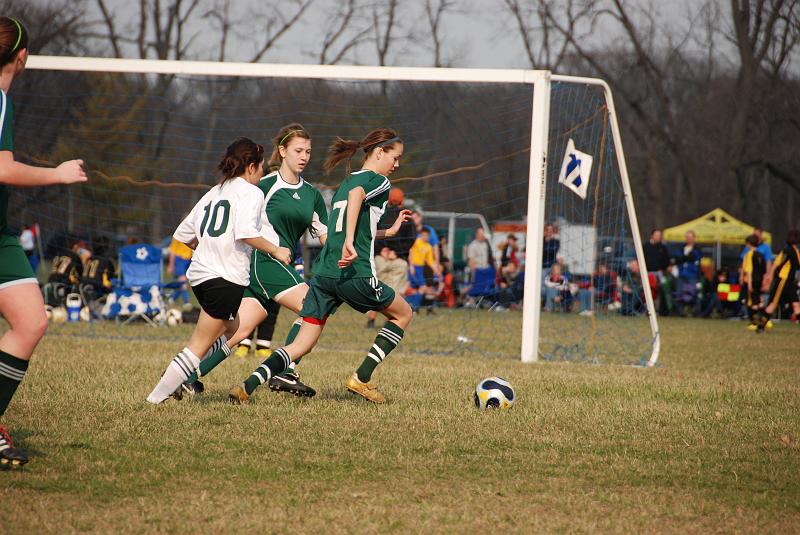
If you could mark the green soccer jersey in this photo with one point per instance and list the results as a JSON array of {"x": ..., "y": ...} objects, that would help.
[
  {"x": 377, "y": 189},
  {"x": 291, "y": 209},
  {"x": 6, "y": 143}
]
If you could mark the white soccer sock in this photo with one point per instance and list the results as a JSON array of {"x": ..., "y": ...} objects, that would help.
[{"x": 181, "y": 367}]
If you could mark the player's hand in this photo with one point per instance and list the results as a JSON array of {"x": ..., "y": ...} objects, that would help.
[
  {"x": 349, "y": 255},
  {"x": 283, "y": 255},
  {"x": 71, "y": 172},
  {"x": 402, "y": 217}
]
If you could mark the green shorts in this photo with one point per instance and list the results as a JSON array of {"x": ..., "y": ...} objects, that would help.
[
  {"x": 269, "y": 278},
  {"x": 14, "y": 266},
  {"x": 363, "y": 294}
]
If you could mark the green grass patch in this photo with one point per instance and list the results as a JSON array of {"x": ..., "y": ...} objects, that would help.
[{"x": 707, "y": 441}]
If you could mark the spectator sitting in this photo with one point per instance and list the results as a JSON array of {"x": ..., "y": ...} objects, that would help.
[
  {"x": 97, "y": 273},
  {"x": 632, "y": 293},
  {"x": 688, "y": 271},
  {"x": 65, "y": 274},
  {"x": 598, "y": 291},
  {"x": 557, "y": 293},
  {"x": 449, "y": 292},
  {"x": 392, "y": 270},
  {"x": 508, "y": 252}
]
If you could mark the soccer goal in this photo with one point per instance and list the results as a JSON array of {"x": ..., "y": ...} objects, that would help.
[{"x": 519, "y": 152}]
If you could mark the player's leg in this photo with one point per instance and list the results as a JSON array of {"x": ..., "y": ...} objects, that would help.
[
  {"x": 779, "y": 286},
  {"x": 266, "y": 329},
  {"x": 289, "y": 381},
  {"x": 219, "y": 301},
  {"x": 23, "y": 308},
  {"x": 372, "y": 292},
  {"x": 250, "y": 314},
  {"x": 320, "y": 301}
]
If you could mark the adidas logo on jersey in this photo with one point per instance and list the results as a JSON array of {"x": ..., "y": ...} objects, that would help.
[{"x": 296, "y": 196}]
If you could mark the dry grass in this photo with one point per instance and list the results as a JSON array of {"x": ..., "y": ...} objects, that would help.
[{"x": 706, "y": 442}]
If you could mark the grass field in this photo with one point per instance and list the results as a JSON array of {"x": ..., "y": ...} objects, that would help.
[{"x": 708, "y": 441}]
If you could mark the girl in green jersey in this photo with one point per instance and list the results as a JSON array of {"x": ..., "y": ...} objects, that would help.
[{"x": 21, "y": 301}]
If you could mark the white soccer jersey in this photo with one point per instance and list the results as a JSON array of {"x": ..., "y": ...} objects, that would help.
[{"x": 225, "y": 216}]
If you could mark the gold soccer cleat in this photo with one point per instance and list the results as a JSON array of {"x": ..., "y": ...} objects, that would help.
[
  {"x": 241, "y": 351},
  {"x": 238, "y": 395},
  {"x": 365, "y": 390}
]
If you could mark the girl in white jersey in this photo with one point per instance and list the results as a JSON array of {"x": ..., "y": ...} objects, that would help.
[
  {"x": 222, "y": 228},
  {"x": 292, "y": 207}
]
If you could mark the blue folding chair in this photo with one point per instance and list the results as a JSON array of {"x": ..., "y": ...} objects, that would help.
[
  {"x": 483, "y": 283},
  {"x": 138, "y": 291}
]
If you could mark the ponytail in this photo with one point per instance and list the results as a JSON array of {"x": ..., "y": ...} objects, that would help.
[{"x": 344, "y": 149}]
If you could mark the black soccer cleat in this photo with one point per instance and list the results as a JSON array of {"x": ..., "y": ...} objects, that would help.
[
  {"x": 188, "y": 389},
  {"x": 10, "y": 455},
  {"x": 290, "y": 382}
]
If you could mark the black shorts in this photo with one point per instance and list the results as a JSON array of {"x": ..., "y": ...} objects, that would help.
[
  {"x": 783, "y": 291},
  {"x": 219, "y": 298}
]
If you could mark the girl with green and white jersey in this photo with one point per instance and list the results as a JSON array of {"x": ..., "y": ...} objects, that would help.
[
  {"x": 345, "y": 269},
  {"x": 292, "y": 207},
  {"x": 21, "y": 302}
]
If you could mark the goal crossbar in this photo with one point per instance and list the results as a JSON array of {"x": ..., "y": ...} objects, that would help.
[{"x": 540, "y": 79}]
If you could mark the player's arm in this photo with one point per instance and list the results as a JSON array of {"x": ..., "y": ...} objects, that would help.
[
  {"x": 14, "y": 173},
  {"x": 355, "y": 198},
  {"x": 282, "y": 254},
  {"x": 392, "y": 231}
]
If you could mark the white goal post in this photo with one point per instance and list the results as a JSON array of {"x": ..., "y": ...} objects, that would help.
[{"x": 540, "y": 80}]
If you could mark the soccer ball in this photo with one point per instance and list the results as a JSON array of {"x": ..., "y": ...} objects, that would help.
[
  {"x": 494, "y": 393},
  {"x": 174, "y": 317},
  {"x": 48, "y": 312},
  {"x": 59, "y": 314}
]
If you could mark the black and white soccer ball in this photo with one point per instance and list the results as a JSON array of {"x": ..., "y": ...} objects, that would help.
[{"x": 494, "y": 393}]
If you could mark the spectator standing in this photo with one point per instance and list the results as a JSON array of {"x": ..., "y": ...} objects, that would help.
[
  {"x": 422, "y": 271},
  {"x": 479, "y": 252},
  {"x": 766, "y": 251},
  {"x": 402, "y": 242},
  {"x": 433, "y": 238},
  {"x": 656, "y": 257},
  {"x": 551, "y": 246}
]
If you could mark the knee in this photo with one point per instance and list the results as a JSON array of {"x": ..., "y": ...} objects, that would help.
[{"x": 32, "y": 329}]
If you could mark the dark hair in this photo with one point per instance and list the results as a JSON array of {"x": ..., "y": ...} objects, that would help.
[
  {"x": 752, "y": 239},
  {"x": 344, "y": 149},
  {"x": 239, "y": 155},
  {"x": 425, "y": 229},
  {"x": 653, "y": 231},
  {"x": 284, "y": 136},
  {"x": 793, "y": 236},
  {"x": 13, "y": 38}
]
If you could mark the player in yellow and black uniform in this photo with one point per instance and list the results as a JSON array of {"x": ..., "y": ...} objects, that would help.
[
  {"x": 784, "y": 279},
  {"x": 65, "y": 275},
  {"x": 21, "y": 301},
  {"x": 754, "y": 267}
]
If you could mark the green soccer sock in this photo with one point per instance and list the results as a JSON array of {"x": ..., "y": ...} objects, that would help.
[
  {"x": 12, "y": 371},
  {"x": 215, "y": 355},
  {"x": 276, "y": 364},
  {"x": 387, "y": 339},
  {"x": 290, "y": 338}
]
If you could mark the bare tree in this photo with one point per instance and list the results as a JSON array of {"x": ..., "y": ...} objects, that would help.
[
  {"x": 342, "y": 35},
  {"x": 435, "y": 11},
  {"x": 384, "y": 17}
]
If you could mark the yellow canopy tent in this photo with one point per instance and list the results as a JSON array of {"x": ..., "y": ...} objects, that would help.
[{"x": 717, "y": 227}]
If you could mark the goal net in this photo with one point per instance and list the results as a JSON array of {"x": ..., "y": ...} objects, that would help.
[{"x": 511, "y": 152}]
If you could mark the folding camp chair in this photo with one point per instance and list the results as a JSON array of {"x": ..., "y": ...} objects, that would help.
[
  {"x": 483, "y": 285},
  {"x": 138, "y": 292}
]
